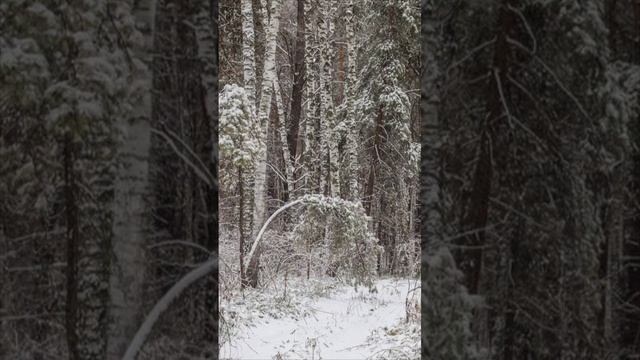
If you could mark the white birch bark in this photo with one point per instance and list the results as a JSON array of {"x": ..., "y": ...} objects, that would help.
[
  {"x": 415, "y": 247},
  {"x": 248, "y": 51},
  {"x": 324, "y": 137},
  {"x": 269, "y": 73},
  {"x": 262, "y": 12},
  {"x": 334, "y": 164},
  {"x": 207, "y": 54},
  {"x": 128, "y": 243},
  {"x": 258, "y": 236},
  {"x": 263, "y": 8},
  {"x": 352, "y": 130},
  {"x": 283, "y": 137},
  {"x": 305, "y": 129},
  {"x": 322, "y": 140},
  {"x": 311, "y": 87},
  {"x": 330, "y": 119}
]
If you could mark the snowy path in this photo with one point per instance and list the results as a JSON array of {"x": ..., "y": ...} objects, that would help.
[{"x": 337, "y": 327}]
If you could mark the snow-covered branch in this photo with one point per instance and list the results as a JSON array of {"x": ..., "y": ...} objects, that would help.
[{"x": 163, "y": 304}]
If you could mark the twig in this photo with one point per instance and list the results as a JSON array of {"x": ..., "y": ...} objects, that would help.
[{"x": 502, "y": 99}]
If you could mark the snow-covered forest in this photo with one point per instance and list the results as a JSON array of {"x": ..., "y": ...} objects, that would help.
[
  {"x": 319, "y": 179},
  {"x": 530, "y": 172},
  {"x": 107, "y": 177},
  {"x": 270, "y": 179}
]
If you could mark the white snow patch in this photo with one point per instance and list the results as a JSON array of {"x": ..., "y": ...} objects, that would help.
[{"x": 344, "y": 324}]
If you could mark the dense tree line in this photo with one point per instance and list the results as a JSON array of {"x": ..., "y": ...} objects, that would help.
[
  {"x": 529, "y": 178},
  {"x": 318, "y": 97},
  {"x": 107, "y": 175},
  {"x": 528, "y": 185}
]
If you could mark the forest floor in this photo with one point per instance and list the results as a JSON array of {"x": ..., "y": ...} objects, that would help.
[{"x": 323, "y": 319}]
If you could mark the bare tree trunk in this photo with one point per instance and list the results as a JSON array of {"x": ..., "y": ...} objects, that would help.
[
  {"x": 311, "y": 86},
  {"x": 286, "y": 154},
  {"x": 477, "y": 213},
  {"x": 269, "y": 73},
  {"x": 207, "y": 53},
  {"x": 248, "y": 52},
  {"x": 293, "y": 137},
  {"x": 352, "y": 129},
  {"x": 256, "y": 242},
  {"x": 324, "y": 79},
  {"x": 129, "y": 218},
  {"x": 377, "y": 142},
  {"x": 327, "y": 114},
  {"x": 241, "y": 226}
]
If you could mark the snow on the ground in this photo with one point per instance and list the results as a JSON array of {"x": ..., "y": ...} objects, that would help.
[{"x": 337, "y": 322}]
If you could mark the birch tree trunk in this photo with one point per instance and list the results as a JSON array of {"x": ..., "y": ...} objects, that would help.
[
  {"x": 283, "y": 139},
  {"x": 369, "y": 193},
  {"x": 330, "y": 148},
  {"x": 323, "y": 138},
  {"x": 129, "y": 220},
  {"x": 323, "y": 141},
  {"x": 352, "y": 130},
  {"x": 207, "y": 53},
  {"x": 328, "y": 152},
  {"x": 241, "y": 226},
  {"x": 269, "y": 72},
  {"x": 248, "y": 51},
  {"x": 312, "y": 79}
]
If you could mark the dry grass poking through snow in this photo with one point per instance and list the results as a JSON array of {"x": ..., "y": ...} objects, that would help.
[{"x": 323, "y": 319}]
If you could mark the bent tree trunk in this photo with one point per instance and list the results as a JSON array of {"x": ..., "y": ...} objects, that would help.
[
  {"x": 127, "y": 264},
  {"x": 163, "y": 304},
  {"x": 201, "y": 271},
  {"x": 180, "y": 286},
  {"x": 256, "y": 242}
]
